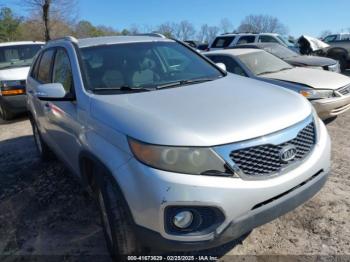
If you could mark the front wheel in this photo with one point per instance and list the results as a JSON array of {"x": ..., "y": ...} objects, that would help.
[
  {"x": 44, "y": 151},
  {"x": 5, "y": 113},
  {"x": 116, "y": 218}
]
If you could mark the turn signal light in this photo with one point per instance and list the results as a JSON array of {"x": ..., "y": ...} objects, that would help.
[{"x": 12, "y": 92}]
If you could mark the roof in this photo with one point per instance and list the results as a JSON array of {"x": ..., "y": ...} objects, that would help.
[
  {"x": 108, "y": 40},
  {"x": 21, "y": 43},
  {"x": 235, "y": 52},
  {"x": 235, "y": 34}
]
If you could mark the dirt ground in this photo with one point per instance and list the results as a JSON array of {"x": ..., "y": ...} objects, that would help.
[{"x": 45, "y": 214}]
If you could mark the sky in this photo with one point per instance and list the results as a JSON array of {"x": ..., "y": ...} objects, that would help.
[{"x": 309, "y": 17}]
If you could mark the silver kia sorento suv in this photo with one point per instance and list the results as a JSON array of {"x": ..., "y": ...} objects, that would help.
[{"x": 179, "y": 154}]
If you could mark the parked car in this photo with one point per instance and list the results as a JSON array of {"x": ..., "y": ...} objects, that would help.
[
  {"x": 328, "y": 92},
  {"x": 197, "y": 45},
  {"x": 338, "y": 50},
  {"x": 294, "y": 58},
  {"x": 229, "y": 40},
  {"x": 336, "y": 37},
  {"x": 179, "y": 154},
  {"x": 15, "y": 60}
]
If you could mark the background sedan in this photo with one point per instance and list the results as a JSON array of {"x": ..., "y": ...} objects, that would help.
[{"x": 329, "y": 92}]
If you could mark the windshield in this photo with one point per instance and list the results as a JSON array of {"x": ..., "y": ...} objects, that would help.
[
  {"x": 285, "y": 40},
  {"x": 143, "y": 65},
  {"x": 280, "y": 51},
  {"x": 261, "y": 62},
  {"x": 17, "y": 55}
]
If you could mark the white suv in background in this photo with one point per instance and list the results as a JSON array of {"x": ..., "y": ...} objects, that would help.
[
  {"x": 15, "y": 60},
  {"x": 229, "y": 40}
]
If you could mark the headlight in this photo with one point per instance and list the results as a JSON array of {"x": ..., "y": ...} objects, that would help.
[
  {"x": 12, "y": 87},
  {"x": 334, "y": 68},
  {"x": 10, "y": 83},
  {"x": 187, "y": 160},
  {"x": 317, "y": 94}
]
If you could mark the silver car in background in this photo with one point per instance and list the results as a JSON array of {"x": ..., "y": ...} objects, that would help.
[
  {"x": 329, "y": 92},
  {"x": 179, "y": 154}
]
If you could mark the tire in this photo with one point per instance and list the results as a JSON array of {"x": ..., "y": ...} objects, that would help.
[
  {"x": 116, "y": 217},
  {"x": 342, "y": 63},
  {"x": 43, "y": 150},
  {"x": 5, "y": 113}
]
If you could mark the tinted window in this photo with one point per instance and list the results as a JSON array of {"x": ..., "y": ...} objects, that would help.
[
  {"x": 267, "y": 39},
  {"x": 143, "y": 65},
  {"x": 17, "y": 55},
  {"x": 246, "y": 39},
  {"x": 62, "y": 72},
  {"x": 44, "y": 75},
  {"x": 222, "y": 42},
  {"x": 330, "y": 38},
  {"x": 261, "y": 62},
  {"x": 231, "y": 65}
]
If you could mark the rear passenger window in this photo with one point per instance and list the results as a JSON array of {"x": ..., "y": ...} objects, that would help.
[
  {"x": 222, "y": 42},
  {"x": 62, "y": 71},
  {"x": 44, "y": 75},
  {"x": 267, "y": 39},
  {"x": 246, "y": 39}
]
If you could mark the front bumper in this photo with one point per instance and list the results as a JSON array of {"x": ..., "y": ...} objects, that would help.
[
  {"x": 245, "y": 204},
  {"x": 243, "y": 224},
  {"x": 15, "y": 104},
  {"x": 330, "y": 107}
]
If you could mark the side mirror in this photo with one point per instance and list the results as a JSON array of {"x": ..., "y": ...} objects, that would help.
[
  {"x": 52, "y": 91},
  {"x": 222, "y": 66}
]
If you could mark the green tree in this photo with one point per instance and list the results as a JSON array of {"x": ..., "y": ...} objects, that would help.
[{"x": 9, "y": 25}]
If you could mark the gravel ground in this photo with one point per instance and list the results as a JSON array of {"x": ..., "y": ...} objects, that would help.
[{"x": 43, "y": 210}]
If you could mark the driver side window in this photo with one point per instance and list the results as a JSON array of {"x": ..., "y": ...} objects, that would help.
[{"x": 62, "y": 71}]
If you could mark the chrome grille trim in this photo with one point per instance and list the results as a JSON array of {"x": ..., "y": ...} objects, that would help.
[
  {"x": 273, "y": 140},
  {"x": 345, "y": 90}
]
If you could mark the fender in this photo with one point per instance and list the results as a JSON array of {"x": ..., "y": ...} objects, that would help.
[{"x": 334, "y": 51}]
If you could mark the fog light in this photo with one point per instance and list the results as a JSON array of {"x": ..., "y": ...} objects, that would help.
[{"x": 183, "y": 219}]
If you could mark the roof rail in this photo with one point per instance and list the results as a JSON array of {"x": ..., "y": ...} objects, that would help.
[
  {"x": 65, "y": 38},
  {"x": 152, "y": 35}
]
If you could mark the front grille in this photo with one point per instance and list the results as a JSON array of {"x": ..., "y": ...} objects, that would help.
[
  {"x": 265, "y": 159},
  {"x": 344, "y": 90}
]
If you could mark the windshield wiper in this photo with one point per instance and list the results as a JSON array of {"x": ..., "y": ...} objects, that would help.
[
  {"x": 122, "y": 88},
  {"x": 185, "y": 82}
]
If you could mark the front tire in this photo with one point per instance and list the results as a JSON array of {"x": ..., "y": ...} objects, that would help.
[
  {"x": 5, "y": 113},
  {"x": 118, "y": 225},
  {"x": 43, "y": 150}
]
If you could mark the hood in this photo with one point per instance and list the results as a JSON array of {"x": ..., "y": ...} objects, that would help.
[
  {"x": 18, "y": 73},
  {"x": 305, "y": 60},
  {"x": 318, "y": 79},
  {"x": 315, "y": 44},
  {"x": 222, "y": 111}
]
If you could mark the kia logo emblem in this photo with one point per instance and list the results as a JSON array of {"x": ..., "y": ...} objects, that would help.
[{"x": 288, "y": 153}]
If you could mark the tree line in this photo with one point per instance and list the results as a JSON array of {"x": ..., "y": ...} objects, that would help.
[{"x": 50, "y": 19}]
